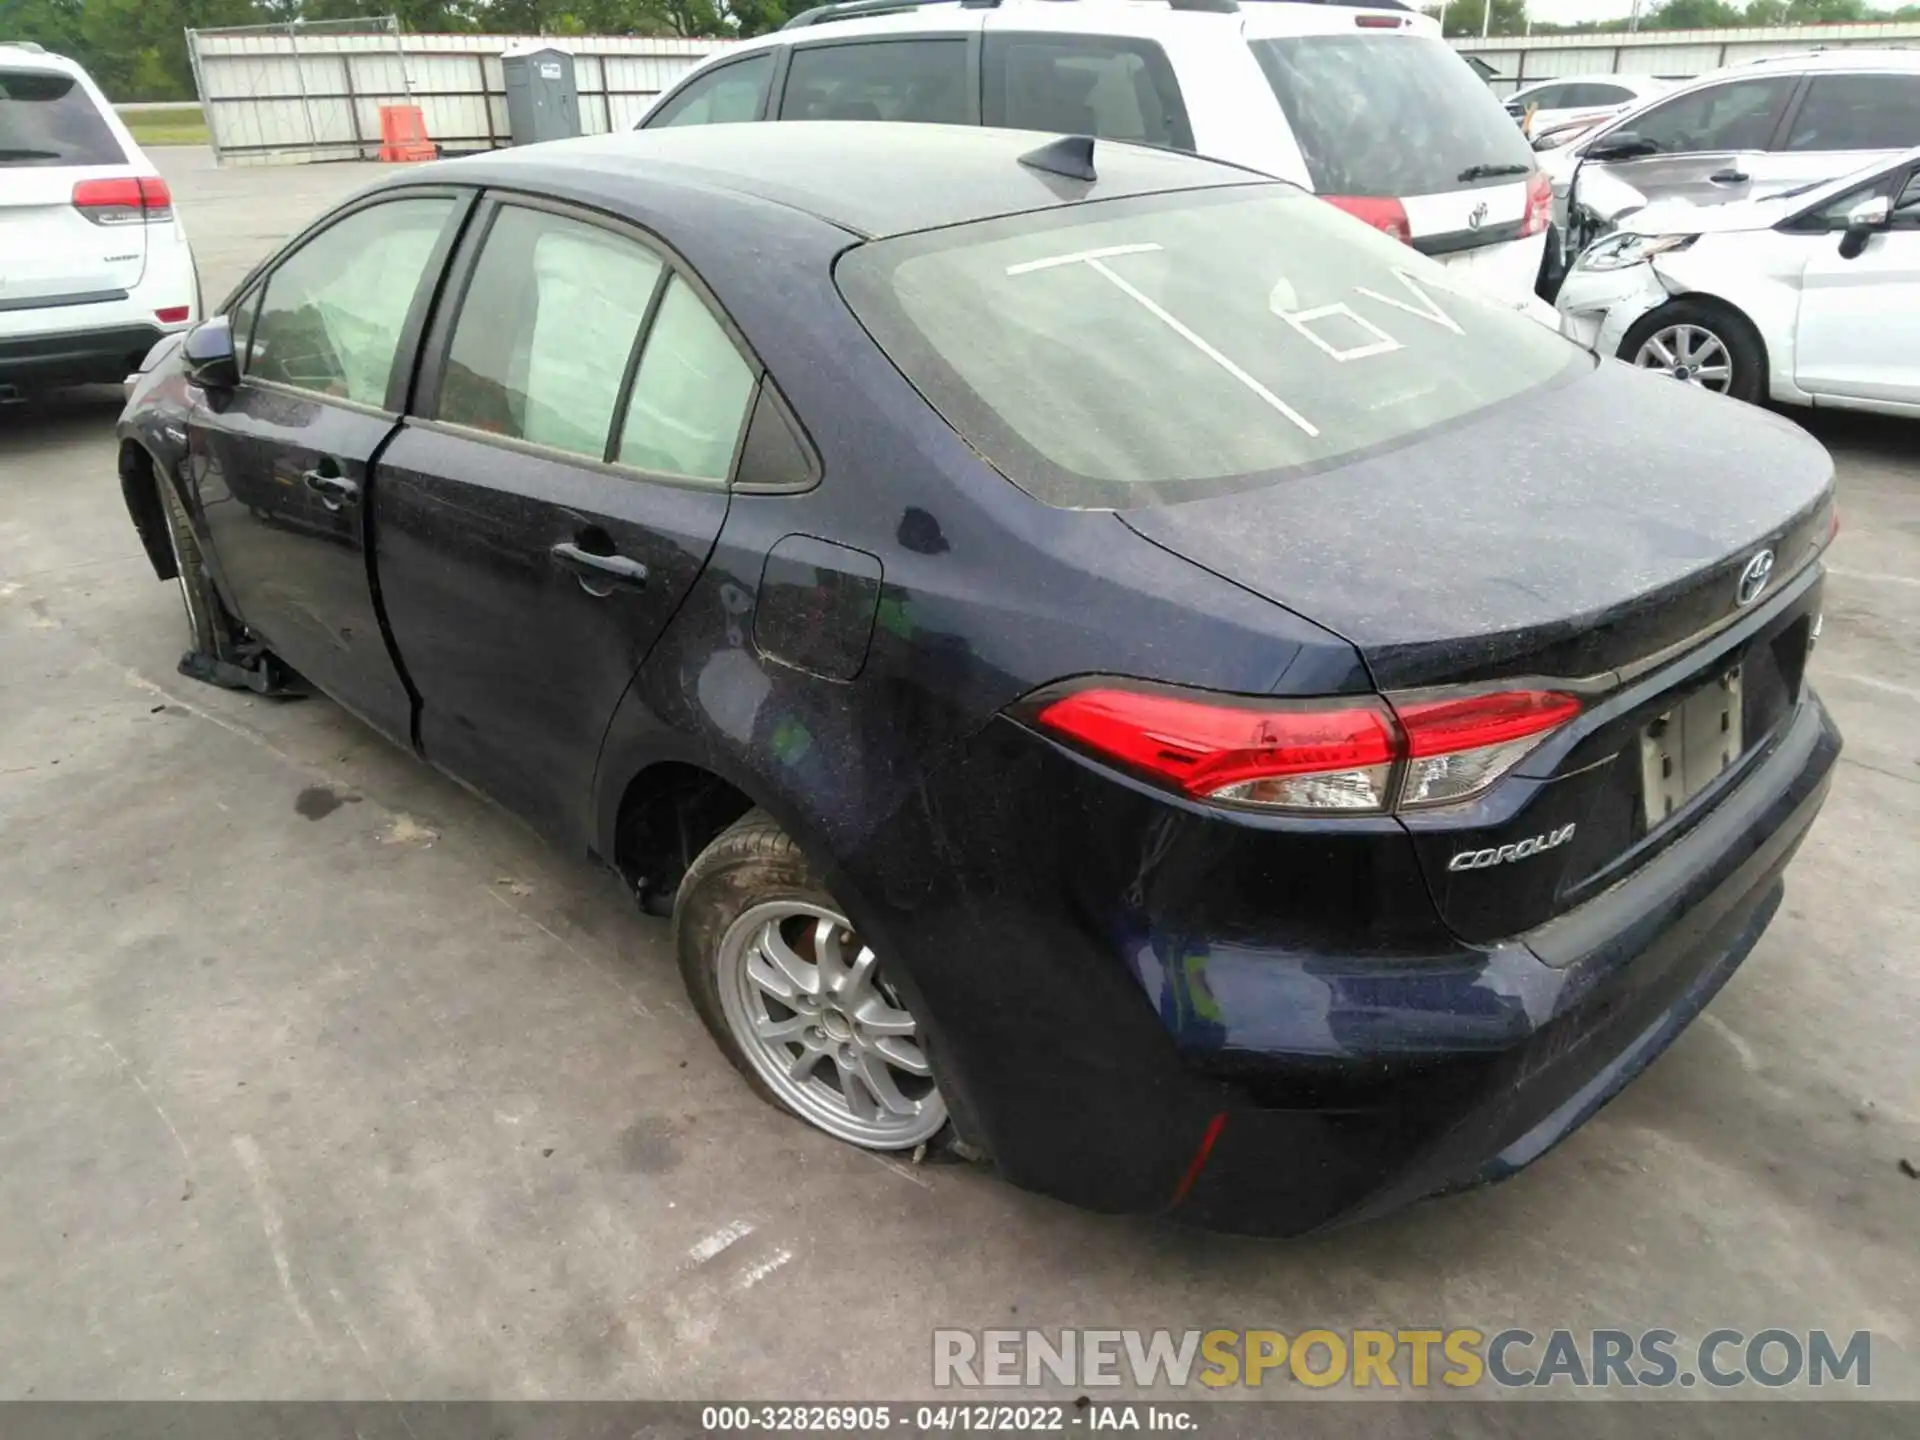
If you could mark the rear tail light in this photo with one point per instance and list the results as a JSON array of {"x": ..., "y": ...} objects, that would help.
[
  {"x": 173, "y": 314},
  {"x": 129, "y": 201},
  {"x": 1383, "y": 213},
  {"x": 1539, "y": 204},
  {"x": 1326, "y": 756}
]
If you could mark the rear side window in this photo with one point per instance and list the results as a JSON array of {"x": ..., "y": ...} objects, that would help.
[
  {"x": 49, "y": 119},
  {"x": 1390, "y": 115},
  {"x": 1108, "y": 87},
  {"x": 1739, "y": 115},
  {"x": 1157, "y": 348},
  {"x": 334, "y": 310},
  {"x": 914, "y": 80},
  {"x": 1858, "y": 112},
  {"x": 690, "y": 394},
  {"x": 727, "y": 93},
  {"x": 549, "y": 321}
]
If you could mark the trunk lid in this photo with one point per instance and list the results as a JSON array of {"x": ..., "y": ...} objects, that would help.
[
  {"x": 1538, "y": 538},
  {"x": 1539, "y": 543}
]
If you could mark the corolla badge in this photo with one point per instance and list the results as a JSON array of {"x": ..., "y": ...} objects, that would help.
[
  {"x": 1754, "y": 578},
  {"x": 1504, "y": 854}
]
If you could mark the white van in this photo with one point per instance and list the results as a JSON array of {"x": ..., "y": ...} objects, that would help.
[{"x": 1361, "y": 103}]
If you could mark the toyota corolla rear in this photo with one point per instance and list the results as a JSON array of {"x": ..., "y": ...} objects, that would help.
[{"x": 1373, "y": 928}]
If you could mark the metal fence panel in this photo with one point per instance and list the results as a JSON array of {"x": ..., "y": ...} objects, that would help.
[{"x": 302, "y": 92}]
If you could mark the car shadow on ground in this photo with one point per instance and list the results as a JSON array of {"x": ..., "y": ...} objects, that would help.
[{"x": 57, "y": 417}]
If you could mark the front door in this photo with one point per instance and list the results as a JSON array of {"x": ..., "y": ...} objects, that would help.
[
  {"x": 542, "y": 516},
  {"x": 1859, "y": 333},
  {"x": 1711, "y": 142},
  {"x": 282, "y": 465}
]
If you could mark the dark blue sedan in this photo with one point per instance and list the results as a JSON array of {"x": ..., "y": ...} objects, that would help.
[{"x": 1112, "y": 666}]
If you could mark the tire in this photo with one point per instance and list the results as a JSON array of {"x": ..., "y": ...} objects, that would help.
[
  {"x": 1714, "y": 329},
  {"x": 859, "y": 1073},
  {"x": 209, "y": 631}
]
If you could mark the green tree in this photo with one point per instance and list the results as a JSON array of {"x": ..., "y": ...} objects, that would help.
[
  {"x": 1469, "y": 17},
  {"x": 1692, "y": 15}
]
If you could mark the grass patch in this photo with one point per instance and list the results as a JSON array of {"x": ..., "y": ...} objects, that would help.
[{"x": 166, "y": 127}]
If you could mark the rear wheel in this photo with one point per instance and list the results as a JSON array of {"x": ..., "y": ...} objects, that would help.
[
  {"x": 209, "y": 633},
  {"x": 1701, "y": 342},
  {"x": 800, "y": 1003}
]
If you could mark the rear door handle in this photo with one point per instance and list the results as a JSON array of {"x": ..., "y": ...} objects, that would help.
[
  {"x": 599, "y": 570},
  {"x": 334, "y": 490},
  {"x": 1729, "y": 177}
]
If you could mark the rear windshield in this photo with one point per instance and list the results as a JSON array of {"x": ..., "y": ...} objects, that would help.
[
  {"x": 46, "y": 118},
  {"x": 1164, "y": 347},
  {"x": 1391, "y": 115}
]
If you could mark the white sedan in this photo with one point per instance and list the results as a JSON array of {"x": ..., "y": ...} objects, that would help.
[
  {"x": 1811, "y": 297},
  {"x": 1541, "y": 107}
]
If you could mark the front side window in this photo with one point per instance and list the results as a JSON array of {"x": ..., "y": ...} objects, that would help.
[
  {"x": 725, "y": 94},
  {"x": 47, "y": 118},
  {"x": 1552, "y": 97},
  {"x": 690, "y": 394},
  {"x": 334, "y": 310},
  {"x": 544, "y": 334},
  {"x": 911, "y": 80},
  {"x": 1151, "y": 349},
  {"x": 1108, "y": 87},
  {"x": 1394, "y": 115},
  {"x": 1739, "y": 115},
  {"x": 1592, "y": 94},
  {"x": 1858, "y": 112}
]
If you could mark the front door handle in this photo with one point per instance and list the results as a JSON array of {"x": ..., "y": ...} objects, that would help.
[
  {"x": 1729, "y": 177},
  {"x": 599, "y": 573},
  {"x": 334, "y": 490}
]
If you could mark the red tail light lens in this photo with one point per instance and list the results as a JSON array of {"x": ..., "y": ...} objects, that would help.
[
  {"x": 1316, "y": 757},
  {"x": 1539, "y": 204},
  {"x": 1457, "y": 748},
  {"x": 1329, "y": 755},
  {"x": 128, "y": 201},
  {"x": 1386, "y": 215},
  {"x": 173, "y": 314}
]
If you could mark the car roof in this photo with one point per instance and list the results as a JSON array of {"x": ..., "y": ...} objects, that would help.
[
  {"x": 16, "y": 56},
  {"x": 1256, "y": 19},
  {"x": 1851, "y": 58},
  {"x": 869, "y": 178}
]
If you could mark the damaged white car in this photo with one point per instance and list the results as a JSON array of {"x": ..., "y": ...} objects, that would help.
[{"x": 1811, "y": 297}]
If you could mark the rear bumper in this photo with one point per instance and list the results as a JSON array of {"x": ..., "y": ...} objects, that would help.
[
  {"x": 1491, "y": 1058},
  {"x": 77, "y": 357},
  {"x": 1274, "y": 1086}
]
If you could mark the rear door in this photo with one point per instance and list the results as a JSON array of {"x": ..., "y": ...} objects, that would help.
[
  {"x": 1712, "y": 143},
  {"x": 1844, "y": 123},
  {"x": 1859, "y": 331},
  {"x": 555, "y": 495},
  {"x": 281, "y": 465},
  {"x": 53, "y": 253},
  {"x": 918, "y": 78}
]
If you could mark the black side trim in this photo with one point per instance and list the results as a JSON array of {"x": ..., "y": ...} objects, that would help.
[
  {"x": 53, "y": 302},
  {"x": 1454, "y": 241}
]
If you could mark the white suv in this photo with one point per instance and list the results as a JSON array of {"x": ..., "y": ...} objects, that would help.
[
  {"x": 94, "y": 266},
  {"x": 1361, "y": 103}
]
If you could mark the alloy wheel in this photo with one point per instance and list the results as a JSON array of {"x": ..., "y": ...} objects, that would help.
[
  {"x": 1689, "y": 353},
  {"x": 809, "y": 1005}
]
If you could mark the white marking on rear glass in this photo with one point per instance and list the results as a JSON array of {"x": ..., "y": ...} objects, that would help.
[
  {"x": 1431, "y": 311},
  {"x": 1299, "y": 320},
  {"x": 1027, "y": 267},
  {"x": 1092, "y": 260}
]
